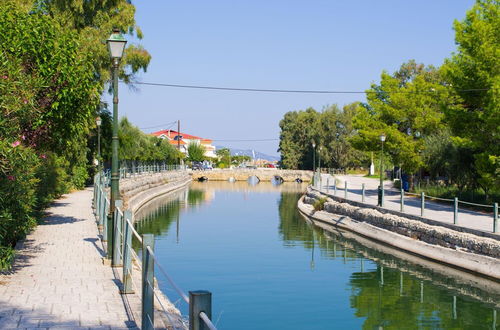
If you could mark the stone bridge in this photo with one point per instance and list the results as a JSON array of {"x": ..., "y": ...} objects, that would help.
[{"x": 264, "y": 174}]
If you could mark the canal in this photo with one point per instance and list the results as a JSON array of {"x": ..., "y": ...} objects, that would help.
[{"x": 269, "y": 268}]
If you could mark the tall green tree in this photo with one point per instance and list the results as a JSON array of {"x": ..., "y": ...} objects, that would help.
[
  {"x": 474, "y": 73},
  {"x": 196, "y": 152},
  {"x": 406, "y": 106}
]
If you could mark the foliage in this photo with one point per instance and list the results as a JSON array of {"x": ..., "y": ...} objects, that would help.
[
  {"x": 136, "y": 145},
  {"x": 405, "y": 106},
  {"x": 319, "y": 204},
  {"x": 476, "y": 66},
  {"x": 18, "y": 190},
  {"x": 330, "y": 130},
  {"x": 224, "y": 158},
  {"x": 196, "y": 152}
]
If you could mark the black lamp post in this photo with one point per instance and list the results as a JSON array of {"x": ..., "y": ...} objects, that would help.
[
  {"x": 381, "y": 186},
  {"x": 98, "y": 122},
  {"x": 314, "y": 156},
  {"x": 116, "y": 45}
]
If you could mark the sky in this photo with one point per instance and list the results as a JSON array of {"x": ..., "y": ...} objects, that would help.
[{"x": 304, "y": 45}]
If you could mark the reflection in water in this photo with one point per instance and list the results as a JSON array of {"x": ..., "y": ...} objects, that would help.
[{"x": 260, "y": 254}]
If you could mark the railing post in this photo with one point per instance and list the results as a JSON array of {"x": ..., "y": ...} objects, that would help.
[
  {"x": 402, "y": 206},
  {"x": 455, "y": 210},
  {"x": 101, "y": 202},
  {"x": 117, "y": 242},
  {"x": 127, "y": 257},
  {"x": 422, "y": 203},
  {"x": 335, "y": 188},
  {"x": 495, "y": 218},
  {"x": 105, "y": 222},
  {"x": 199, "y": 301},
  {"x": 327, "y": 185},
  {"x": 363, "y": 192},
  {"x": 345, "y": 189},
  {"x": 147, "y": 283}
]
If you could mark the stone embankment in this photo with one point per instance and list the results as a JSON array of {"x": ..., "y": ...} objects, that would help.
[
  {"x": 136, "y": 192},
  {"x": 479, "y": 252}
]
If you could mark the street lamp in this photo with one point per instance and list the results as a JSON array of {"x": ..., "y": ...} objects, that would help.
[
  {"x": 116, "y": 45},
  {"x": 314, "y": 155},
  {"x": 98, "y": 122},
  {"x": 381, "y": 186}
]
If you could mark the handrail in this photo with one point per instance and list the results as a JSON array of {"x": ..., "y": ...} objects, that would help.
[
  {"x": 207, "y": 321},
  {"x": 176, "y": 287},
  {"x": 122, "y": 252},
  {"x": 422, "y": 196}
]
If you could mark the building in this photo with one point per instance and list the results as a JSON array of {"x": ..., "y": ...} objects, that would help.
[{"x": 183, "y": 140}]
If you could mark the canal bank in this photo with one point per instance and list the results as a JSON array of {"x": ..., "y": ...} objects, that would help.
[
  {"x": 468, "y": 250},
  {"x": 250, "y": 246}
]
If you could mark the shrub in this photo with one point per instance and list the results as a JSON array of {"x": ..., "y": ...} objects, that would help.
[{"x": 319, "y": 204}]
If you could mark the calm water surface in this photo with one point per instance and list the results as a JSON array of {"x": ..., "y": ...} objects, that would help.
[{"x": 269, "y": 268}]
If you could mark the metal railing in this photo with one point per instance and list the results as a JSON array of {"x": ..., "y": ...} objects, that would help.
[
  {"x": 122, "y": 254},
  {"x": 319, "y": 184},
  {"x": 135, "y": 168}
]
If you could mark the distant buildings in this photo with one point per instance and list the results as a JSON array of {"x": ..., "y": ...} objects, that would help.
[{"x": 183, "y": 140}]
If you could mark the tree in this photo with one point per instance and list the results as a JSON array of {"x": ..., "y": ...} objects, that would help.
[
  {"x": 223, "y": 157},
  {"x": 474, "y": 73},
  {"x": 405, "y": 106},
  {"x": 196, "y": 152}
]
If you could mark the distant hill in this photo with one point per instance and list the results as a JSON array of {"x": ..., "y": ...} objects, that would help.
[{"x": 250, "y": 152}]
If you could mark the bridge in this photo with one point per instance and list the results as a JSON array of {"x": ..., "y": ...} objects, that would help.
[{"x": 262, "y": 174}]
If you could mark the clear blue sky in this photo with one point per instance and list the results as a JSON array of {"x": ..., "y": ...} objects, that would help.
[{"x": 326, "y": 45}]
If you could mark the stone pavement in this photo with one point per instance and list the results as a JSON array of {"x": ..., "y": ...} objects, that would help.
[
  {"x": 436, "y": 211},
  {"x": 58, "y": 279}
]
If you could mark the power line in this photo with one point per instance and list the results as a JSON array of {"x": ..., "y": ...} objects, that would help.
[
  {"x": 249, "y": 140},
  {"x": 296, "y": 90},
  {"x": 161, "y": 125}
]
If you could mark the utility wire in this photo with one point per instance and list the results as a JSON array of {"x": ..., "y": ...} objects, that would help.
[
  {"x": 297, "y": 91},
  {"x": 161, "y": 125},
  {"x": 250, "y": 140}
]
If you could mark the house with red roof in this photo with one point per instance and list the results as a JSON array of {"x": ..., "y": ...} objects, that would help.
[{"x": 182, "y": 141}]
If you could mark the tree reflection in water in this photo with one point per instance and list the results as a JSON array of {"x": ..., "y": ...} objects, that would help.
[{"x": 396, "y": 293}]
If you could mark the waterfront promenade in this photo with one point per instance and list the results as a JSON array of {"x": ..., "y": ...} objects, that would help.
[
  {"x": 442, "y": 212},
  {"x": 59, "y": 280}
]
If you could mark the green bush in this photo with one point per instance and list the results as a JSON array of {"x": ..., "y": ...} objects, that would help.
[
  {"x": 18, "y": 195},
  {"x": 319, "y": 205}
]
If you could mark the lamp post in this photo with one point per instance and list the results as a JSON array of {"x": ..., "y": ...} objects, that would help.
[
  {"x": 319, "y": 165},
  {"x": 381, "y": 186},
  {"x": 116, "y": 45},
  {"x": 98, "y": 122},
  {"x": 314, "y": 156}
]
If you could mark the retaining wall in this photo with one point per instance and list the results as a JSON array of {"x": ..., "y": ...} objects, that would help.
[{"x": 460, "y": 249}]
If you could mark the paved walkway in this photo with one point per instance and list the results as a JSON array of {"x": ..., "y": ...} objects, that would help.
[
  {"x": 436, "y": 211},
  {"x": 59, "y": 280}
]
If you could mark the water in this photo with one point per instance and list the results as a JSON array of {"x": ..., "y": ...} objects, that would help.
[{"x": 269, "y": 268}]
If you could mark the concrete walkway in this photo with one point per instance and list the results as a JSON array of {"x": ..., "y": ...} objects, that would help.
[
  {"x": 59, "y": 280},
  {"x": 436, "y": 211}
]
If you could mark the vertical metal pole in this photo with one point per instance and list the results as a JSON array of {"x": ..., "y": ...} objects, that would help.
[
  {"x": 127, "y": 257},
  {"x": 105, "y": 210},
  {"x": 363, "y": 192},
  {"x": 495, "y": 218},
  {"x": 422, "y": 203},
  {"x": 402, "y": 207},
  {"x": 345, "y": 189},
  {"x": 327, "y": 185},
  {"x": 381, "y": 195},
  {"x": 455, "y": 210},
  {"x": 115, "y": 175},
  {"x": 454, "y": 307},
  {"x": 382, "y": 275},
  {"x": 199, "y": 301},
  {"x": 147, "y": 282},
  {"x": 117, "y": 243},
  {"x": 335, "y": 188}
]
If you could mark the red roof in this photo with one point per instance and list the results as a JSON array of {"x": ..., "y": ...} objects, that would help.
[{"x": 172, "y": 134}]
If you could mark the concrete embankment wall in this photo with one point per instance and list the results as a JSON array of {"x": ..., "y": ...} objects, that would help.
[
  {"x": 136, "y": 192},
  {"x": 465, "y": 250}
]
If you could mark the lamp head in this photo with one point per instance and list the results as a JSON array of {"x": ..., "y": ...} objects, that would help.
[
  {"x": 382, "y": 137},
  {"x": 98, "y": 121},
  {"x": 116, "y": 44}
]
